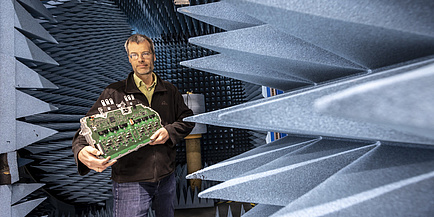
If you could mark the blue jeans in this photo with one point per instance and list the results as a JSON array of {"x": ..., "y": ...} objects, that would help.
[{"x": 134, "y": 198}]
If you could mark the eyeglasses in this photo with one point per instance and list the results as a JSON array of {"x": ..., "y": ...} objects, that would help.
[{"x": 135, "y": 56}]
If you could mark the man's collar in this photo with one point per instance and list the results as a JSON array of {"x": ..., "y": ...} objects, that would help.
[
  {"x": 130, "y": 86},
  {"x": 139, "y": 82}
]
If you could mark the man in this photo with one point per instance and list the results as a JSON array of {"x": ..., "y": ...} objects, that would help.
[{"x": 147, "y": 174}]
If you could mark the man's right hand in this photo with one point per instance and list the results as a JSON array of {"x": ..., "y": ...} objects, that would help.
[{"x": 88, "y": 156}]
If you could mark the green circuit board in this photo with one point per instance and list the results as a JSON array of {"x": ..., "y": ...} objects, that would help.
[{"x": 118, "y": 132}]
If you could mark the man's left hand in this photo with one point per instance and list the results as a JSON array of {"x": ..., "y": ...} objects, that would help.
[{"x": 159, "y": 137}]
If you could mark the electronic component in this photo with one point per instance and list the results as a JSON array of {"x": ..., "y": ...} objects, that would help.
[{"x": 118, "y": 132}]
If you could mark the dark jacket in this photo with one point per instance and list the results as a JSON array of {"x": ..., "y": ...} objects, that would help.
[{"x": 151, "y": 162}]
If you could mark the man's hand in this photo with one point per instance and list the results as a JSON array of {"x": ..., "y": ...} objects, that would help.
[
  {"x": 159, "y": 137},
  {"x": 88, "y": 156}
]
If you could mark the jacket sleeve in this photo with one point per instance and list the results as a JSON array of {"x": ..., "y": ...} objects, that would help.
[
  {"x": 79, "y": 141},
  {"x": 179, "y": 129}
]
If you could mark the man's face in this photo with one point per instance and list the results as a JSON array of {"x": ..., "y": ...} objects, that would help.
[{"x": 144, "y": 64}]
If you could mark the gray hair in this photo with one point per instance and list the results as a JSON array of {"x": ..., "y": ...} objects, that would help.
[{"x": 138, "y": 38}]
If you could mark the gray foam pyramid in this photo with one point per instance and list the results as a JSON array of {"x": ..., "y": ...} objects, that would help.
[
  {"x": 357, "y": 105},
  {"x": 18, "y": 27}
]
